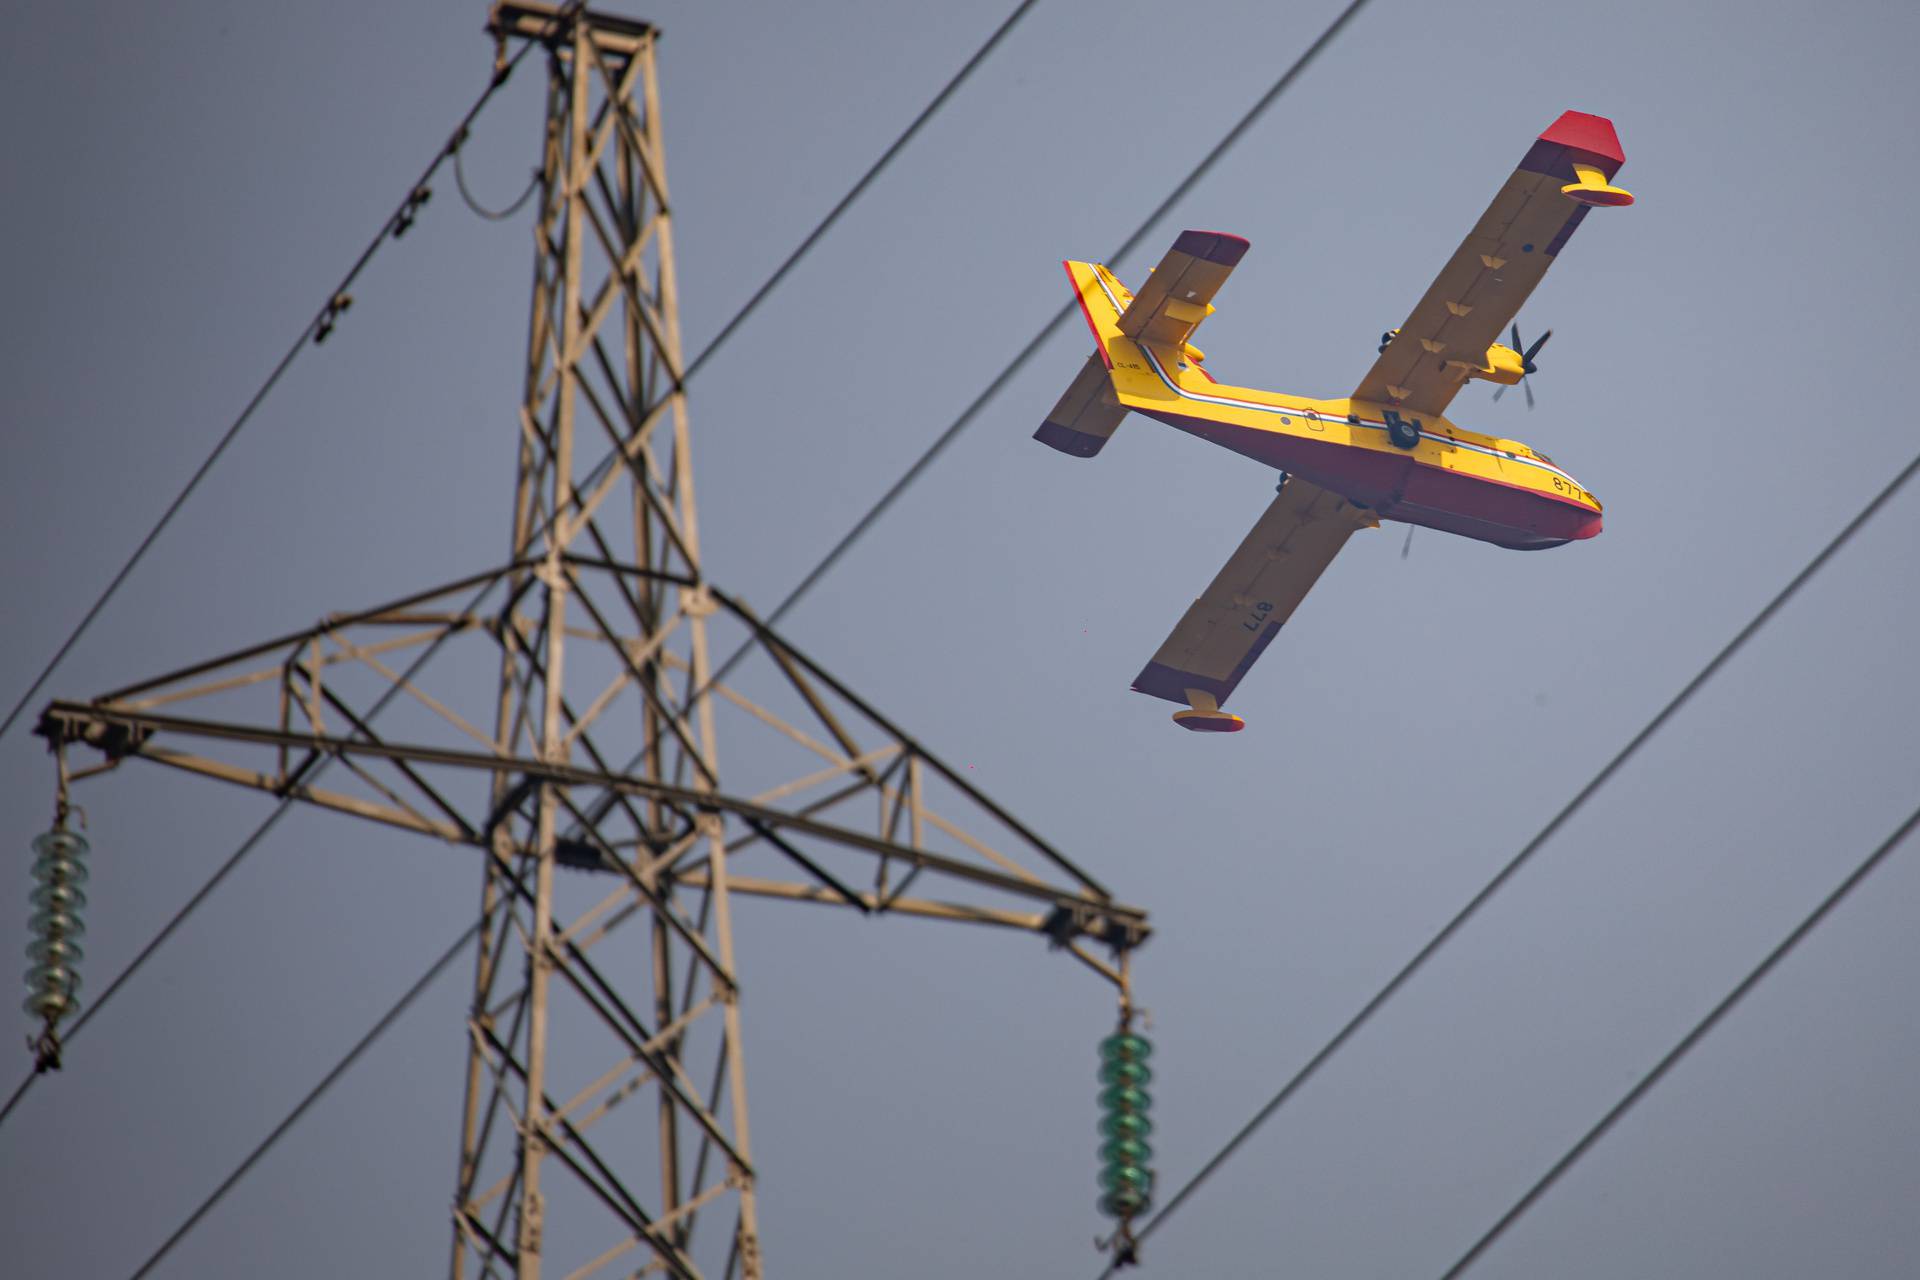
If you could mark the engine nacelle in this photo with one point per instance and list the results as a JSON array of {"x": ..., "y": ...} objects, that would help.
[{"x": 1504, "y": 365}]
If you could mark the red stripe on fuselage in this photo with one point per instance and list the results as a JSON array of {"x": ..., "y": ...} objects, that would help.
[{"x": 1099, "y": 342}]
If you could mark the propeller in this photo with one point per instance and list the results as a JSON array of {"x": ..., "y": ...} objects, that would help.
[{"x": 1527, "y": 365}]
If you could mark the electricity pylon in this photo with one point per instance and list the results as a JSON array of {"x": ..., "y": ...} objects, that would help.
[{"x": 606, "y": 1011}]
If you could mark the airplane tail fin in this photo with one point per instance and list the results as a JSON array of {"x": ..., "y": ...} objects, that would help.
[{"x": 1087, "y": 415}]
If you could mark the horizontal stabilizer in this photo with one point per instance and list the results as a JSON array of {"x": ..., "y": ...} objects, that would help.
[
  {"x": 1085, "y": 419},
  {"x": 1178, "y": 294}
]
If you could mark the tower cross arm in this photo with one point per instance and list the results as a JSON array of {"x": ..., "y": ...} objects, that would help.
[{"x": 121, "y": 733}]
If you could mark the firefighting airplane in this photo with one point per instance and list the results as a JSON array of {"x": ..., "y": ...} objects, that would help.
[{"x": 1386, "y": 452}]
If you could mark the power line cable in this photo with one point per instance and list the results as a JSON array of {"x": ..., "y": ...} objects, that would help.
[
  {"x": 1680, "y": 1050},
  {"x": 1427, "y": 952},
  {"x": 316, "y": 330},
  {"x": 308, "y": 774},
  {"x": 327, "y": 1081}
]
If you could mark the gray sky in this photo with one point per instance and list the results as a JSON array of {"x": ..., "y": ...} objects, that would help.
[{"x": 188, "y": 180}]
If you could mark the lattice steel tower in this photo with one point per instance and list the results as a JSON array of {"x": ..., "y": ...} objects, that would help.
[{"x": 606, "y": 1011}]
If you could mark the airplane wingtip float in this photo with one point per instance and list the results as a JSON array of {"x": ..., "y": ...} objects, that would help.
[{"x": 1386, "y": 452}]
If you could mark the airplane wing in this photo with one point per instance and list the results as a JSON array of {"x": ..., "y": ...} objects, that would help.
[
  {"x": 1481, "y": 288},
  {"x": 1239, "y": 614},
  {"x": 1178, "y": 294}
]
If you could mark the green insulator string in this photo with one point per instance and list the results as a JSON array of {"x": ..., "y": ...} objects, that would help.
[
  {"x": 1126, "y": 1181},
  {"x": 54, "y": 978},
  {"x": 59, "y": 868}
]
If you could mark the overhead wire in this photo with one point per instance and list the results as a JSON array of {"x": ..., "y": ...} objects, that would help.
[
  {"x": 1533, "y": 846},
  {"x": 1681, "y": 1049},
  {"x": 317, "y": 330}
]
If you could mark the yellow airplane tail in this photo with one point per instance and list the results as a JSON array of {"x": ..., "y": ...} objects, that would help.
[
  {"x": 1086, "y": 416},
  {"x": 1176, "y": 297}
]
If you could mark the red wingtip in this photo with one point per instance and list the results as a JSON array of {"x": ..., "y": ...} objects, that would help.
[{"x": 1582, "y": 132}]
